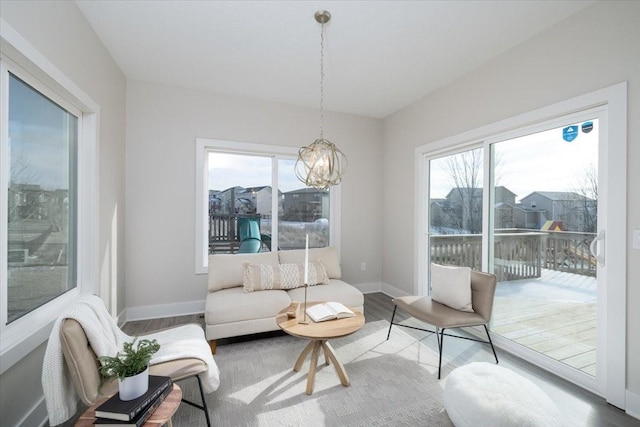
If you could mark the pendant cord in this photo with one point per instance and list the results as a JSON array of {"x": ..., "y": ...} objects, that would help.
[{"x": 322, "y": 81}]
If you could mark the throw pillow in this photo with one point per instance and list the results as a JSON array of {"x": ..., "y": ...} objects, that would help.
[
  {"x": 451, "y": 286},
  {"x": 260, "y": 277}
]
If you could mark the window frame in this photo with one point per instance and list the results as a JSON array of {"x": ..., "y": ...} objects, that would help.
[
  {"x": 204, "y": 146},
  {"x": 19, "y": 57}
]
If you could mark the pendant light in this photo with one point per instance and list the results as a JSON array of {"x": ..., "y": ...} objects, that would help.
[{"x": 321, "y": 164}]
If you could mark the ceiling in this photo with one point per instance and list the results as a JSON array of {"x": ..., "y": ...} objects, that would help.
[{"x": 380, "y": 56}]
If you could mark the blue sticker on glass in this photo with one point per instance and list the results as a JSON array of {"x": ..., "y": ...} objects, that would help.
[
  {"x": 570, "y": 133},
  {"x": 587, "y": 127}
]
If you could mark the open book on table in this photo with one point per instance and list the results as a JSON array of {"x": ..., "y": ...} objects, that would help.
[{"x": 328, "y": 311}]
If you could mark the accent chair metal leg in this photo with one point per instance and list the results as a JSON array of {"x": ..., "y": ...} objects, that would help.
[
  {"x": 204, "y": 402},
  {"x": 440, "y": 347},
  {"x": 391, "y": 324},
  {"x": 491, "y": 342}
]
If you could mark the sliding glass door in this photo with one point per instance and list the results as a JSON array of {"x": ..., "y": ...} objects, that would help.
[
  {"x": 544, "y": 219},
  {"x": 524, "y": 205}
]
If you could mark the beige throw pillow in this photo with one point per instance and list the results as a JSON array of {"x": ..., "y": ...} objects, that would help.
[
  {"x": 260, "y": 277},
  {"x": 451, "y": 286}
]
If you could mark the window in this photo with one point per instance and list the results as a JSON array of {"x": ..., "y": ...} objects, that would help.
[
  {"x": 41, "y": 203},
  {"x": 250, "y": 191},
  {"x": 48, "y": 198}
]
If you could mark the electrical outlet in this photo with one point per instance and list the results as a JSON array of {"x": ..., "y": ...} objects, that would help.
[
  {"x": 363, "y": 266},
  {"x": 636, "y": 239}
]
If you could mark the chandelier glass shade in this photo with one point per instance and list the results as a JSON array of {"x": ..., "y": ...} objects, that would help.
[{"x": 321, "y": 164}]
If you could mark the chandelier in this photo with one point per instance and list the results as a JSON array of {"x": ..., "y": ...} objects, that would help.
[{"x": 321, "y": 164}]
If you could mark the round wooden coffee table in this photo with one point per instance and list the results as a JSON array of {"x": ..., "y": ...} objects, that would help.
[{"x": 319, "y": 335}]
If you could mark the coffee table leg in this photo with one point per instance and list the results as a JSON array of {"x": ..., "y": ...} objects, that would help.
[
  {"x": 303, "y": 356},
  {"x": 311, "y": 377},
  {"x": 326, "y": 356},
  {"x": 342, "y": 374}
]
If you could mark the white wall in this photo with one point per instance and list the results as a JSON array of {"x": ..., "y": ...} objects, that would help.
[
  {"x": 162, "y": 126},
  {"x": 59, "y": 31},
  {"x": 598, "y": 47}
]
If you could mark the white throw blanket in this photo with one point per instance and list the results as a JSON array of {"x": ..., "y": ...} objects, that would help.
[{"x": 107, "y": 339}]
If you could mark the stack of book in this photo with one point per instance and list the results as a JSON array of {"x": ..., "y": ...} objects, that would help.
[{"x": 116, "y": 412}]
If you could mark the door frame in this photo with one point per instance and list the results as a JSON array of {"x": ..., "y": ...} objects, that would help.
[{"x": 612, "y": 180}]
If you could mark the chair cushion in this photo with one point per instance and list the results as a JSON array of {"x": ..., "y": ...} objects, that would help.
[
  {"x": 451, "y": 286},
  {"x": 178, "y": 369},
  {"x": 259, "y": 277},
  {"x": 434, "y": 313}
]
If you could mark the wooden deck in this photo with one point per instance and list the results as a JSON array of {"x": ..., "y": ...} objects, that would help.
[{"x": 554, "y": 315}]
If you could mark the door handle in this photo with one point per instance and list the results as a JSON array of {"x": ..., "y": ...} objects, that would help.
[{"x": 596, "y": 249}]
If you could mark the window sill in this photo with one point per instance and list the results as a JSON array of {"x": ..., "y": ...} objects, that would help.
[{"x": 15, "y": 344}]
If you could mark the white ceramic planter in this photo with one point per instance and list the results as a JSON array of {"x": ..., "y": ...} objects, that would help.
[{"x": 133, "y": 387}]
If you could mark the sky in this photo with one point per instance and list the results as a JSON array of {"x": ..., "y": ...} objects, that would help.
[
  {"x": 228, "y": 170},
  {"x": 38, "y": 138},
  {"x": 542, "y": 161}
]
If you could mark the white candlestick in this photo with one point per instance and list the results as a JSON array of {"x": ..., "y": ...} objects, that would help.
[{"x": 306, "y": 262}]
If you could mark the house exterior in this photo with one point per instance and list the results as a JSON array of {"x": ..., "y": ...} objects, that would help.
[
  {"x": 229, "y": 203},
  {"x": 252, "y": 200},
  {"x": 258, "y": 200},
  {"x": 577, "y": 212},
  {"x": 305, "y": 205},
  {"x": 461, "y": 209}
]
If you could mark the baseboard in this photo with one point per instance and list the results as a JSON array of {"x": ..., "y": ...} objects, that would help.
[
  {"x": 392, "y": 291},
  {"x": 37, "y": 416},
  {"x": 163, "y": 310},
  {"x": 369, "y": 288},
  {"x": 633, "y": 404}
]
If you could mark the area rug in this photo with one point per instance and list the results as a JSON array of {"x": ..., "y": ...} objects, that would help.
[{"x": 393, "y": 383}]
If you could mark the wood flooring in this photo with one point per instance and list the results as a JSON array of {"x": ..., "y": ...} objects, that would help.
[{"x": 579, "y": 407}]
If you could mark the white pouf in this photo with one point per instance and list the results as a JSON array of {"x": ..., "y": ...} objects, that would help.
[{"x": 487, "y": 395}]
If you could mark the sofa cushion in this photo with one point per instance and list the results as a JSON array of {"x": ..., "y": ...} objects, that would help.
[
  {"x": 328, "y": 256},
  {"x": 336, "y": 290},
  {"x": 226, "y": 270},
  {"x": 260, "y": 277},
  {"x": 234, "y": 304}
]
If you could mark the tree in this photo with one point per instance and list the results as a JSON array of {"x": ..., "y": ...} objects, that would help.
[
  {"x": 465, "y": 198},
  {"x": 587, "y": 188}
]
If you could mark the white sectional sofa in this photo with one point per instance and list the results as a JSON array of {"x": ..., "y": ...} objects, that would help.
[{"x": 232, "y": 311}]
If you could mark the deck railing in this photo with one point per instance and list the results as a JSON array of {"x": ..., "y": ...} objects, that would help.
[
  {"x": 519, "y": 253},
  {"x": 223, "y": 232},
  {"x": 569, "y": 251}
]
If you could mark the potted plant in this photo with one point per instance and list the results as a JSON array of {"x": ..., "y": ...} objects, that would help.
[{"x": 131, "y": 367}]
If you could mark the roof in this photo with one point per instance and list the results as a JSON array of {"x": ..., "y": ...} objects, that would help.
[
  {"x": 255, "y": 189},
  {"x": 477, "y": 192},
  {"x": 307, "y": 190},
  {"x": 559, "y": 195}
]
